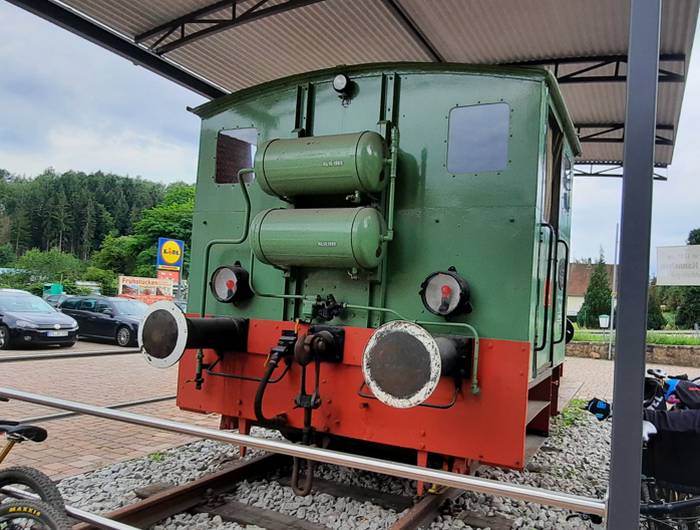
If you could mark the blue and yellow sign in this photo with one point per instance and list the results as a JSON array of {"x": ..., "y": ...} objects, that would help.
[{"x": 170, "y": 254}]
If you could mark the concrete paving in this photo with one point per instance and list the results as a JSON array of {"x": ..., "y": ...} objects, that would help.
[{"x": 79, "y": 444}]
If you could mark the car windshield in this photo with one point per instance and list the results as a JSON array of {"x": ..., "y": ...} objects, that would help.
[
  {"x": 24, "y": 303},
  {"x": 133, "y": 308}
]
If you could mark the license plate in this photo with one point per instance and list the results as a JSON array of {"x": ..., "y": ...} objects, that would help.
[{"x": 57, "y": 334}]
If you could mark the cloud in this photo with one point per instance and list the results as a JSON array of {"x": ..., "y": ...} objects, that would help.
[
  {"x": 125, "y": 152},
  {"x": 56, "y": 86}
]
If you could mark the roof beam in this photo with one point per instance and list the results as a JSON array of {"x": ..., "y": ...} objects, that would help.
[
  {"x": 97, "y": 34},
  {"x": 179, "y": 25},
  {"x": 599, "y": 132},
  {"x": 581, "y": 170},
  {"x": 409, "y": 24},
  {"x": 591, "y": 67}
]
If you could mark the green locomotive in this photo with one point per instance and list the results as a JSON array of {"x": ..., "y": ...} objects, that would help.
[{"x": 380, "y": 256}]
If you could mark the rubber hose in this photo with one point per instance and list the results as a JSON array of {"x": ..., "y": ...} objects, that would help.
[{"x": 278, "y": 421}]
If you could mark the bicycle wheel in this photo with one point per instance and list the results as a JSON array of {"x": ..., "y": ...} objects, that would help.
[
  {"x": 35, "y": 481},
  {"x": 31, "y": 515}
]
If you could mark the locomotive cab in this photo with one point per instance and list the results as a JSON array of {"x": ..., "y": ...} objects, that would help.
[{"x": 380, "y": 261}]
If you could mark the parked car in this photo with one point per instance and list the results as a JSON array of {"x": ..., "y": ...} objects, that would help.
[
  {"x": 103, "y": 317},
  {"x": 54, "y": 300},
  {"x": 26, "y": 319}
]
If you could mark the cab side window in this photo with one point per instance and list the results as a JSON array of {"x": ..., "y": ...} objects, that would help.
[
  {"x": 235, "y": 150},
  {"x": 477, "y": 138}
]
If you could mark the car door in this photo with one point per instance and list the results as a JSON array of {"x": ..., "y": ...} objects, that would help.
[
  {"x": 69, "y": 306},
  {"x": 105, "y": 325},
  {"x": 86, "y": 316}
]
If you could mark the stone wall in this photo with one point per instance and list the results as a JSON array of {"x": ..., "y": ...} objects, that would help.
[{"x": 656, "y": 353}]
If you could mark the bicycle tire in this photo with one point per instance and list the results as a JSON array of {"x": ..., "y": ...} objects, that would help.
[
  {"x": 36, "y": 481},
  {"x": 49, "y": 516}
]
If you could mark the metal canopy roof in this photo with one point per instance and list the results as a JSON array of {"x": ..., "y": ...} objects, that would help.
[{"x": 215, "y": 47}]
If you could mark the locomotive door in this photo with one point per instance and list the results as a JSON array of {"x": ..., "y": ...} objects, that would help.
[{"x": 549, "y": 284}]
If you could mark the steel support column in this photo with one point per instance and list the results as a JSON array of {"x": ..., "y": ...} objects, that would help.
[{"x": 637, "y": 187}]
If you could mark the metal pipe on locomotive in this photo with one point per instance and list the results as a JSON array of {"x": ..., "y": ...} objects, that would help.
[{"x": 378, "y": 291}]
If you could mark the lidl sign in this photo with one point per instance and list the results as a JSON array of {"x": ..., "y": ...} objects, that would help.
[{"x": 170, "y": 254}]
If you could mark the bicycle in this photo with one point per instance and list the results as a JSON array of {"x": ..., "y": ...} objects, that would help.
[{"x": 45, "y": 513}]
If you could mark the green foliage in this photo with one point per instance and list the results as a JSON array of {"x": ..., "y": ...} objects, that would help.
[
  {"x": 158, "y": 456},
  {"x": 596, "y": 301},
  {"x": 689, "y": 309},
  {"x": 652, "y": 338},
  {"x": 106, "y": 278},
  {"x": 670, "y": 296},
  {"x": 7, "y": 255},
  {"x": 655, "y": 318},
  {"x": 573, "y": 413},
  {"x": 73, "y": 211},
  {"x": 50, "y": 266},
  {"x": 694, "y": 237},
  {"x": 117, "y": 254}
]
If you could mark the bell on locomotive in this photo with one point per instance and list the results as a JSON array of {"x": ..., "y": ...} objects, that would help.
[{"x": 379, "y": 259}]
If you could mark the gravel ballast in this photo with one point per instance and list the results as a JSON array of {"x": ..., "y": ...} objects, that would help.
[{"x": 574, "y": 459}]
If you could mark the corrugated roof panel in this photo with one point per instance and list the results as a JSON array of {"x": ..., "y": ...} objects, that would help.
[{"x": 332, "y": 32}]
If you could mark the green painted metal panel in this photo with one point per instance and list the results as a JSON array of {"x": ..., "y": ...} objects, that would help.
[{"x": 485, "y": 224}]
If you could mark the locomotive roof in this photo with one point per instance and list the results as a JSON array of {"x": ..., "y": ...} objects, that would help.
[
  {"x": 215, "y": 47},
  {"x": 221, "y": 104}
]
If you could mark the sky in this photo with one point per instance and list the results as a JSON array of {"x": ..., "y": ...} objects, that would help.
[{"x": 69, "y": 104}]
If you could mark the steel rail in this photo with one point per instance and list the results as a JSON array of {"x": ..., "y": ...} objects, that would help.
[
  {"x": 114, "y": 406},
  {"x": 76, "y": 513},
  {"x": 66, "y": 355},
  {"x": 479, "y": 485}
]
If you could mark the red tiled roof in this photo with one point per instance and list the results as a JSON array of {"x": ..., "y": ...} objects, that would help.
[{"x": 580, "y": 277}]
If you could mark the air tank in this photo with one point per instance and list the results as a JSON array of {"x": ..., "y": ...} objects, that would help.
[
  {"x": 335, "y": 238},
  {"x": 322, "y": 165}
]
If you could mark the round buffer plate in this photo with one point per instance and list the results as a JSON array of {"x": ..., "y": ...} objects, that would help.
[
  {"x": 163, "y": 334},
  {"x": 401, "y": 364}
]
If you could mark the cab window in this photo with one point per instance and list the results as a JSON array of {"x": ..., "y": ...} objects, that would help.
[
  {"x": 477, "y": 138},
  {"x": 235, "y": 150}
]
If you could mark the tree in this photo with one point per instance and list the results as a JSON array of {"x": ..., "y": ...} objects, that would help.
[
  {"x": 655, "y": 318},
  {"x": 7, "y": 255},
  {"x": 689, "y": 309},
  {"x": 117, "y": 254},
  {"x": 106, "y": 279},
  {"x": 50, "y": 265},
  {"x": 596, "y": 301}
]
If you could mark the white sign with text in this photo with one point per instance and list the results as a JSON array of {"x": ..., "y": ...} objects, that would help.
[{"x": 678, "y": 265}]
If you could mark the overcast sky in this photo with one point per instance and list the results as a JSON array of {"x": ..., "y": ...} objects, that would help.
[{"x": 69, "y": 104}]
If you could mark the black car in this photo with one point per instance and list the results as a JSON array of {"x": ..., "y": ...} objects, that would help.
[
  {"x": 103, "y": 317},
  {"x": 26, "y": 319},
  {"x": 54, "y": 300}
]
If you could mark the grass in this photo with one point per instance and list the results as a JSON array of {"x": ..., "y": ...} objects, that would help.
[
  {"x": 157, "y": 456},
  {"x": 652, "y": 338},
  {"x": 573, "y": 413}
]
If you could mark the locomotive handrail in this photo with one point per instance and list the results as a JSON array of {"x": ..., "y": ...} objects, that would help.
[
  {"x": 566, "y": 281},
  {"x": 547, "y": 285},
  {"x": 393, "y": 160},
  {"x": 443, "y": 406}
]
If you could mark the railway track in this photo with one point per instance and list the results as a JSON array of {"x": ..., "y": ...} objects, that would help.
[{"x": 205, "y": 495}]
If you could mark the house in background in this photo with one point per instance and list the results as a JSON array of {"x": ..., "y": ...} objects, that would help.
[{"x": 579, "y": 278}]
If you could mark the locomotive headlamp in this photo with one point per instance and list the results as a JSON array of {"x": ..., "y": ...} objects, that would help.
[
  {"x": 341, "y": 84},
  {"x": 445, "y": 293},
  {"x": 165, "y": 333},
  {"x": 230, "y": 284}
]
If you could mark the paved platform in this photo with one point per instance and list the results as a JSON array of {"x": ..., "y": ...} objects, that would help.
[{"x": 79, "y": 444}]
